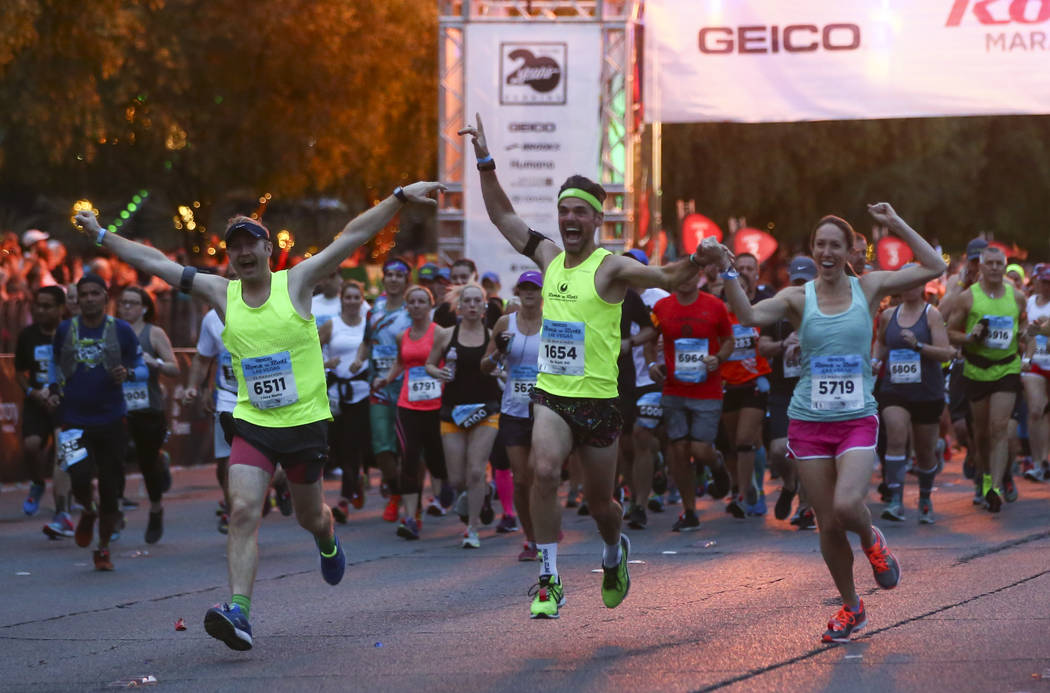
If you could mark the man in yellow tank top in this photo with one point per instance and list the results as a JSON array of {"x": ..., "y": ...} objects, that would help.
[
  {"x": 574, "y": 405},
  {"x": 282, "y": 401}
]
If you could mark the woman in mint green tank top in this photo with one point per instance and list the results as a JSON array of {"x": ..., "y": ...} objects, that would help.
[{"x": 834, "y": 421}]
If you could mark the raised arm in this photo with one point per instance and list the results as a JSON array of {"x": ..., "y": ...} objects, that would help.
[
  {"x": 207, "y": 287},
  {"x": 500, "y": 210},
  {"x": 931, "y": 265}
]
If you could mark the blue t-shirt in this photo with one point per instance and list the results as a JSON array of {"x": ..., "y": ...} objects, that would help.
[{"x": 90, "y": 397}]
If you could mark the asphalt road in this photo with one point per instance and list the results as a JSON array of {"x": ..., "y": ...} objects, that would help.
[{"x": 738, "y": 606}]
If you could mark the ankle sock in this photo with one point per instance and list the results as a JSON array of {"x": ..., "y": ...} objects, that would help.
[
  {"x": 612, "y": 555},
  {"x": 548, "y": 559},
  {"x": 926, "y": 483},
  {"x": 242, "y": 601},
  {"x": 326, "y": 545}
]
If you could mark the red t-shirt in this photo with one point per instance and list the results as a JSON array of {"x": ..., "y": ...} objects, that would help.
[
  {"x": 705, "y": 318},
  {"x": 744, "y": 364}
]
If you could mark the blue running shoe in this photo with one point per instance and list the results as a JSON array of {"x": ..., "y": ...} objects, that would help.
[
  {"x": 32, "y": 502},
  {"x": 333, "y": 567},
  {"x": 758, "y": 508},
  {"x": 229, "y": 624}
]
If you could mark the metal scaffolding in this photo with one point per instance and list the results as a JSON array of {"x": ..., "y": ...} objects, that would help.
[{"x": 620, "y": 138}]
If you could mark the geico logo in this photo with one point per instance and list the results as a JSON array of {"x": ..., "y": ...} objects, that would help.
[
  {"x": 532, "y": 127},
  {"x": 999, "y": 12},
  {"x": 794, "y": 38}
]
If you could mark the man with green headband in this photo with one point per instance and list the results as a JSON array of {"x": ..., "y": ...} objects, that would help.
[{"x": 574, "y": 404}]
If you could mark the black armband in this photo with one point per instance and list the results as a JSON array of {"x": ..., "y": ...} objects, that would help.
[
  {"x": 186, "y": 283},
  {"x": 534, "y": 240}
]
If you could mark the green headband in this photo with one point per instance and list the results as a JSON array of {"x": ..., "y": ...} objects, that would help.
[{"x": 583, "y": 195}]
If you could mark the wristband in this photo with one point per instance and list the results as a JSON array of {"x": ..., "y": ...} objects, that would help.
[
  {"x": 186, "y": 281},
  {"x": 692, "y": 259},
  {"x": 486, "y": 163},
  {"x": 399, "y": 193},
  {"x": 101, "y": 235},
  {"x": 729, "y": 274}
]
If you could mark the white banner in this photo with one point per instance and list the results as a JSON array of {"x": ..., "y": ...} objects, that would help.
[
  {"x": 537, "y": 88},
  {"x": 771, "y": 60}
]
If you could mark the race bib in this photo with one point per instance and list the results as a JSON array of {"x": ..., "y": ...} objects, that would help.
[
  {"x": 689, "y": 366},
  {"x": 421, "y": 386},
  {"x": 905, "y": 366},
  {"x": 468, "y": 415},
  {"x": 744, "y": 340},
  {"x": 42, "y": 355},
  {"x": 561, "y": 348},
  {"x": 792, "y": 368},
  {"x": 1000, "y": 331},
  {"x": 70, "y": 447},
  {"x": 383, "y": 357},
  {"x": 136, "y": 395},
  {"x": 270, "y": 381},
  {"x": 650, "y": 411},
  {"x": 224, "y": 375},
  {"x": 837, "y": 383},
  {"x": 520, "y": 384},
  {"x": 1041, "y": 357}
]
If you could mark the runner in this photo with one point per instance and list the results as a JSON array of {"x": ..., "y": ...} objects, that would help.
[
  {"x": 282, "y": 405},
  {"x": 33, "y": 365},
  {"x": 986, "y": 322},
  {"x": 514, "y": 349},
  {"x": 697, "y": 339},
  {"x": 341, "y": 338},
  {"x": 327, "y": 303},
  {"x": 464, "y": 271},
  {"x": 834, "y": 426},
  {"x": 913, "y": 343},
  {"x": 469, "y": 403},
  {"x": 1036, "y": 374},
  {"x": 94, "y": 354},
  {"x": 574, "y": 402}
]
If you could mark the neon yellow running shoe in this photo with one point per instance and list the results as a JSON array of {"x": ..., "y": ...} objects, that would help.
[
  {"x": 547, "y": 598},
  {"x": 617, "y": 581}
]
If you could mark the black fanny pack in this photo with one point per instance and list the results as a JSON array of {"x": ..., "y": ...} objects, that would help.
[{"x": 984, "y": 362}]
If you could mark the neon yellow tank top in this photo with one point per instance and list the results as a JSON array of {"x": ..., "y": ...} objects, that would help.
[
  {"x": 277, "y": 359},
  {"x": 1002, "y": 314},
  {"x": 580, "y": 338}
]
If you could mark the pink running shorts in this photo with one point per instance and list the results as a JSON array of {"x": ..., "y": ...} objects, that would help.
[{"x": 809, "y": 440}]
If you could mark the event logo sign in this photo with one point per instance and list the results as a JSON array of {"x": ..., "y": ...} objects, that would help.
[{"x": 532, "y": 73}]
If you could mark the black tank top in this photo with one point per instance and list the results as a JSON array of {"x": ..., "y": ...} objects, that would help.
[
  {"x": 470, "y": 385},
  {"x": 917, "y": 378}
]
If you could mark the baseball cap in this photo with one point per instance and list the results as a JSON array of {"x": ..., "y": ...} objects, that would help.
[
  {"x": 1042, "y": 272},
  {"x": 490, "y": 276},
  {"x": 428, "y": 272},
  {"x": 33, "y": 236},
  {"x": 531, "y": 277},
  {"x": 638, "y": 254},
  {"x": 802, "y": 267},
  {"x": 974, "y": 248},
  {"x": 254, "y": 228}
]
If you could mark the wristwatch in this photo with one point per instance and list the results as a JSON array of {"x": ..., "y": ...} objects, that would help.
[{"x": 918, "y": 346}]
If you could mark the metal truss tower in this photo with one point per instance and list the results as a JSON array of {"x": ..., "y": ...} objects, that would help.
[{"x": 620, "y": 134}]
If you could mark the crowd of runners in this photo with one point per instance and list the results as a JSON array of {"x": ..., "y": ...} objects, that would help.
[{"x": 626, "y": 388}]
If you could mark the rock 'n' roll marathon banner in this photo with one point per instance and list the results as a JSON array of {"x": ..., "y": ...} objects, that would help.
[
  {"x": 537, "y": 88},
  {"x": 771, "y": 60}
]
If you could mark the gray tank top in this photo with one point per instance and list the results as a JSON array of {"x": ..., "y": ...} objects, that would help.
[
  {"x": 917, "y": 378},
  {"x": 156, "y": 398}
]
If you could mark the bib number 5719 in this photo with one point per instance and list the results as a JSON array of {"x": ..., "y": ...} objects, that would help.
[{"x": 835, "y": 387}]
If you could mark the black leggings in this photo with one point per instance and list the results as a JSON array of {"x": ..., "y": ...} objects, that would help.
[
  {"x": 350, "y": 435},
  {"x": 105, "y": 446},
  {"x": 148, "y": 430},
  {"x": 419, "y": 433}
]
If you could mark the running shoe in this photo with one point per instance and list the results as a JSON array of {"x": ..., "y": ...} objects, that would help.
[
  {"x": 656, "y": 503},
  {"x": 1009, "y": 489},
  {"x": 758, "y": 508},
  {"x": 994, "y": 500},
  {"x": 390, "y": 513},
  {"x": 1031, "y": 472},
  {"x": 408, "y": 529},
  {"x": 447, "y": 496},
  {"x": 102, "y": 560},
  {"x": 221, "y": 508},
  {"x": 720, "y": 482},
  {"x": 284, "y": 499},
  {"x": 487, "y": 514},
  {"x": 886, "y": 568},
  {"x": 434, "y": 508},
  {"x": 894, "y": 510},
  {"x": 229, "y": 624},
  {"x": 617, "y": 580},
  {"x": 547, "y": 597},
  {"x": 470, "y": 539},
  {"x": 885, "y": 494},
  {"x": 804, "y": 518},
  {"x": 968, "y": 467},
  {"x": 333, "y": 566},
  {"x": 845, "y": 623},
  {"x": 659, "y": 482},
  {"x": 637, "y": 519},
  {"x": 114, "y": 537},
  {"x": 783, "y": 506},
  {"x": 583, "y": 510},
  {"x": 529, "y": 553},
  {"x": 85, "y": 530},
  {"x": 224, "y": 524},
  {"x": 574, "y": 498},
  {"x": 60, "y": 526},
  {"x": 155, "y": 527},
  {"x": 926, "y": 511},
  {"x": 341, "y": 511},
  {"x": 126, "y": 504},
  {"x": 686, "y": 522},
  {"x": 673, "y": 496},
  {"x": 358, "y": 500},
  {"x": 507, "y": 524},
  {"x": 32, "y": 502},
  {"x": 736, "y": 508},
  {"x": 978, "y": 494}
]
